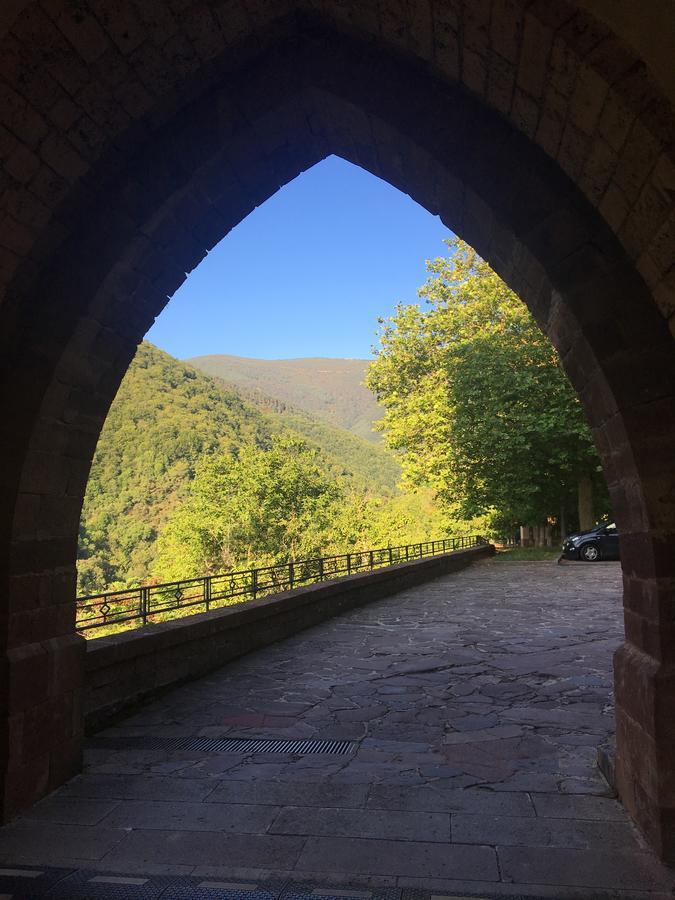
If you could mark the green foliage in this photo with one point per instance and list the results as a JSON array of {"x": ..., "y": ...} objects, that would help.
[
  {"x": 476, "y": 399},
  {"x": 279, "y": 504},
  {"x": 404, "y": 519},
  {"x": 369, "y": 466},
  {"x": 170, "y": 422},
  {"x": 263, "y": 507},
  {"x": 164, "y": 418}
]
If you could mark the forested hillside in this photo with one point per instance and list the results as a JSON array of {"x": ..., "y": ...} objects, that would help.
[
  {"x": 166, "y": 417},
  {"x": 330, "y": 389}
]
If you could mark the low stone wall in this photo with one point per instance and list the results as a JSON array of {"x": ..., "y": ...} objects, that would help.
[{"x": 126, "y": 669}]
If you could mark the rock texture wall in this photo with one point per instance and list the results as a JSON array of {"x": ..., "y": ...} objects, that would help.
[{"x": 134, "y": 135}]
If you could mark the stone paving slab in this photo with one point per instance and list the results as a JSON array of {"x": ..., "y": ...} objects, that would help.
[
  {"x": 48, "y": 843},
  {"x": 476, "y": 704},
  {"x": 198, "y": 848},
  {"x": 359, "y": 856},
  {"x": 65, "y": 811},
  {"x": 536, "y": 832},
  {"x": 469, "y": 800},
  {"x": 149, "y": 814},
  {"x": 363, "y": 823},
  {"x": 580, "y": 868},
  {"x": 133, "y": 787},
  {"x": 274, "y": 793},
  {"x": 566, "y": 806}
]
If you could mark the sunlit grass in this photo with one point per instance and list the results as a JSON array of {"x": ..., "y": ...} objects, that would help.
[{"x": 524, "y": 554}]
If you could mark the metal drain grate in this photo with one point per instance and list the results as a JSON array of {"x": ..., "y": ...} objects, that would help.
[{"x": 226, "y": 745}]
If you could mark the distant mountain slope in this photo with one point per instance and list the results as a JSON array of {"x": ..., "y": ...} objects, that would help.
[
  {"x": 331, "y": 389},
  {"x": 370, "y": 466},
  {"x": 165, "y": 416}
]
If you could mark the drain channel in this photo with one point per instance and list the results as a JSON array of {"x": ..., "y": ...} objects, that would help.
[{"x": 225, "y": 745}]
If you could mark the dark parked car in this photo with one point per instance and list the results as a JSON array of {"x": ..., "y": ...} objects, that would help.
[{"x": 601, "y": 542}]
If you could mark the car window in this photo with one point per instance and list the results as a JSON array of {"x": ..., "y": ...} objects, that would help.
[{"x": 611, "y": 529}]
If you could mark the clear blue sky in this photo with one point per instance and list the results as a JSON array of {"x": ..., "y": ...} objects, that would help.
[{"x": 307, "y": 273}]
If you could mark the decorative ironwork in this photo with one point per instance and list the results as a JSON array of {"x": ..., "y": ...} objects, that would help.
[{"x": 135, "y": 607}]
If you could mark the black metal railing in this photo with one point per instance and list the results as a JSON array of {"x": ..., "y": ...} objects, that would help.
[{"x": 135, "y": 607}]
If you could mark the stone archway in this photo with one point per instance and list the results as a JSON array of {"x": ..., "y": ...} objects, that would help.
[{"x": 136, "y": 140}]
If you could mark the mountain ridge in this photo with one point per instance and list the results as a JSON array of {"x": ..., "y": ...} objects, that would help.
[{"x": 330, "y": 388}]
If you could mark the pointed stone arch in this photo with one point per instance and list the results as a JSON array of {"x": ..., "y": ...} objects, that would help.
[{"x": 135, "y": 141}]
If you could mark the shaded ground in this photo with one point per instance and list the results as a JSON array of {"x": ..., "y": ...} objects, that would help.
[{"x": 477, "y": 703}]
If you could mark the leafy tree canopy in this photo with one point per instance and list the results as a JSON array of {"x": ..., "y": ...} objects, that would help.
[
  {"x": 273, "y": 505},
  {"x": 262, "y": 507},
  {"x": 476, "y": 399}
]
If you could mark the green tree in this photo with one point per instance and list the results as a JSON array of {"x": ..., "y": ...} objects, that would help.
[
  {"x": 477, "y": 401},
  {"x": 263, "y": 507}
]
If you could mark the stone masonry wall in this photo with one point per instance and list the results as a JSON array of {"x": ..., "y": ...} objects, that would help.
[{"x": 134, "y": 135}]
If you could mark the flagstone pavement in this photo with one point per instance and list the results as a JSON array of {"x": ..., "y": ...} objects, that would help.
[{"x": 476, "y": 703}]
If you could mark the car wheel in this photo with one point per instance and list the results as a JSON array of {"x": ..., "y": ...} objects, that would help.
[{"x": 590, "y": 553}]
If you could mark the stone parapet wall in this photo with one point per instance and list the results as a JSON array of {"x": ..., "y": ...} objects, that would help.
[{"x": 126, "y": 669}]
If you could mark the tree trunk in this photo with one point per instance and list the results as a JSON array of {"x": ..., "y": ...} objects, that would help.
[
  {"x": 541, "y": 535},
  {"x": 586, "y": 518},
  {"x": 563, "y": 523}
]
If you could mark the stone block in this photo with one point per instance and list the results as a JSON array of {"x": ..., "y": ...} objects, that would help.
[
  {"x": 37, "y": 843},
  {"x": 570, "y": 833},
  {"x": 65, "y": 759},
  {"x": 571, "y": 806},
  {"x": 74, "y": 811},
  {"x": 62, "y": 158},
  {"x": 532, "y": 69},
  {"x": 500, "y": 83},
  {"x": 476, "y": 801},
  {"x": 580, "y": 868},
  {"x": 278, "y": 793},
  {"x": 525, "y": 113},
  {"x": 23, "y": 785},
  {"x": 573, "y": 150},
  {"x": 22, "y": 164},
  {"x": 196, "y": 848},
  {"x": 506, "y": 27},
  {"x": 364, "y": 823},
  {"x": 42, "y": 727},
  {"x": 187, "y": 815},
  {"x": 26, "y": 677},
  {"x": 647, "y": 555},
  {"x": 136, "y": 787},
  {"x": 372, "y": 857}
]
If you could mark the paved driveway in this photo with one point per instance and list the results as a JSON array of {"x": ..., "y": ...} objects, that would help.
[{"x": 476, "y": 704}]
